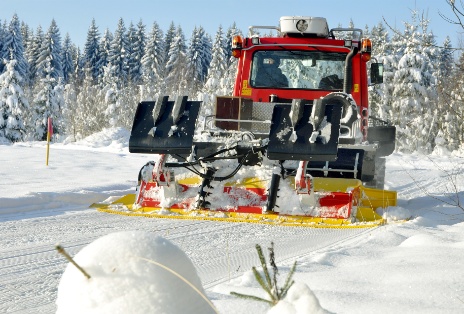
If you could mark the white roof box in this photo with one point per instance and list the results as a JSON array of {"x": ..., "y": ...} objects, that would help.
[{"x": 304, "y": 25}]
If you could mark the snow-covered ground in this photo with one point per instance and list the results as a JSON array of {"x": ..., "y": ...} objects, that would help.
[{"x": 410, "y": 267}]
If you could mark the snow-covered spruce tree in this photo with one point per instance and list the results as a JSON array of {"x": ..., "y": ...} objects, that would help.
[
  {"x": 2, "y": 40},
  {"x": 92, "y": 50},
  {"x": 366, "y": 32},
  {"x": 33, "y": 51},
  {"x": 176, "y": 66},
  {"x": 14, "y": 106},
  {"x": 59, "y": 124},
  {"x": 118, "y": 53},
  {"x": 217, "y": 69},
  {"x": 47, "y": 103},
  {"x": 87, "y": 116},
  {"x": 13, "y": 47},
  {"x": 110, "y": 95},
  {"x": 451, "y": 104},
  {"x": 430, "y": 111},
  {"x": 27, "y": 34},
  {"x": 170, "y": 34},
  {"x": 48, "y": 100},
  {"x": 413, "y": 93},
  {"x": 153, "y": 64},
  {"x": 129, "y": 97},
  {"x": 198, "y": 59},
  {"x": 67, "y": 59},
  {"x": 448, "y": 119},
  {"x": 228, "y": 82},
  {"x": 70, "y": 106},
  {"x": 136, "y": 39},
  {"x": 51, "y": 52},
  {"x": 79, "y": 68},
  {"x": 105, "y": 51},
  {"x": 458, "y": 95},
  {"x": 119, "y": 102},
  {"x": 380, "y": 95}
]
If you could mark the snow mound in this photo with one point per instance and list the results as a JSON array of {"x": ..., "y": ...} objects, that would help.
[
  {"x": 393, "y": 213},
  {"x": 126, "y": 277},
  {"x": 299, "y": 300},
  {"x": 114, "y": 139}
]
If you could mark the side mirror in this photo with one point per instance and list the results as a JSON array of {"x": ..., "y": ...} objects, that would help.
[{"x": 376, "y": 73}]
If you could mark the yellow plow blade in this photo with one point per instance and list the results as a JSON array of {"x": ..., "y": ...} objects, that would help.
[
  {"x": 371, "y": 199},
  {"x": 124, "y": 206}
]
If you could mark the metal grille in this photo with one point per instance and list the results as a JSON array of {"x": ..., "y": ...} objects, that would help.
[{"x": 262, "y": 111}]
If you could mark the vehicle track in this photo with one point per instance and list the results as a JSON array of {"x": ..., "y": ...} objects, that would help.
[{"x": 30, "y": 268}]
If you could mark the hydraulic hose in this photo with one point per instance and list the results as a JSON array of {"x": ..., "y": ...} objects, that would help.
[{"x": 348, "y": 81}]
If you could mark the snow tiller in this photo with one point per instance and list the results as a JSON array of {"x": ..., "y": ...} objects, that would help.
[{"x": 294, "y": 145}]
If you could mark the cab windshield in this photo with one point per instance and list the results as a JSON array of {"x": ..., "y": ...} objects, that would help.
[{"x": 298, "y": 69}]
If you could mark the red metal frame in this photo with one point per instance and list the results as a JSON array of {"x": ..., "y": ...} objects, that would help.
[{"x": 331, "y": 204}]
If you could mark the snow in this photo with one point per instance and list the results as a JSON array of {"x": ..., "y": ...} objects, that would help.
[
  {"x": 415, "y": 266},
  {"x": 300, "y": 300},
  {"x": 151, "y": 272}
]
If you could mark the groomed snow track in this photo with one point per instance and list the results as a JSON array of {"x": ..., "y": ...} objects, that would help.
[{"x": 30, "y": 268}]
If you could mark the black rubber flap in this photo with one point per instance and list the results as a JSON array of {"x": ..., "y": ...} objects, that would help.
[
  {"x": 385, "y": 136},
  {"x": 347, "y": 162},
  {"x": 299, "y": 143},
  {"x": 166, "y": 137}
]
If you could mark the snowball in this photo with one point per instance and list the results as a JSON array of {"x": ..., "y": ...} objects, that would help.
[{"x": 122, "y": 281}]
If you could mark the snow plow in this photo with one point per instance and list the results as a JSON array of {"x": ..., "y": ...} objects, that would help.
[{"x": 294, "y": 145}]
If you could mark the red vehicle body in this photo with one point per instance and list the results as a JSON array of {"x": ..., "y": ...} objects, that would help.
[{"x": 243, "y": 88}]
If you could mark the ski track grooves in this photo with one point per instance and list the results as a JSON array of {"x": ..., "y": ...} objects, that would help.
[{"x": 30, "y": 268}]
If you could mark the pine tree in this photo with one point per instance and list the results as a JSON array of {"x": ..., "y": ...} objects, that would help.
[
  {"x": 380, "y": 95},
  {"x": 413, "y": 92},
  {"x": 176, "y": 66},
  {"x": 13, "y": 104},
  {"x": 67, "y": 59},
  {"x": 457, "y": 130},
  {"x": 87, "y": 116},
  {"x": 50, "y": 54},
  {"x": 92, "y": 51},
  {"x": 13, "y": 47},
  {"x": 27, "y": 34},
  {"x": 105, "y": 51},
  {"x": 118, "y": 54},
  {"x": 198, "y": 58},
  {"x": 139, "y": 51},
  {"x": 136, "y": 44},
  {"x": 2, "y": 40},
  {"x": 109, "y": 93},
  {"x": 119, "y": 101},
  {"x": 69, "y": 108},
  {"x": 79, "y": 67},
  {"x": 217, "y": 69},
  {"x": 153, "y": 63},
  {"x": 47, "y": 103},
  {"x": 450, "y": 102},
  {"x": 33, "y": 53},
  {"x": 170, "y": 34}
]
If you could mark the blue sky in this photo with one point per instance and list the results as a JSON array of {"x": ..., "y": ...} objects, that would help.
[{"x": 74, "y": 17}]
